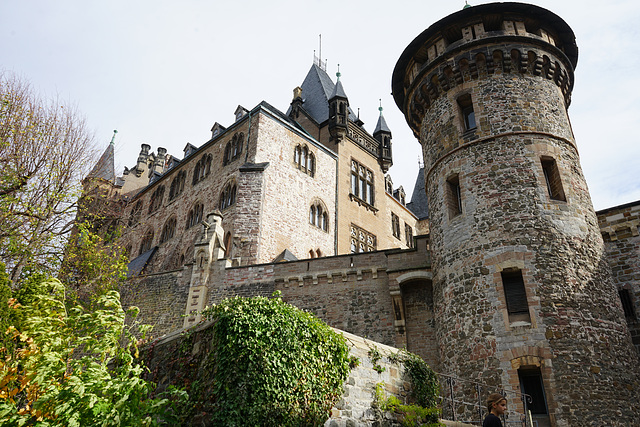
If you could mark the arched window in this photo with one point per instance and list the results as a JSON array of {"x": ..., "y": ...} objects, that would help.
[
  {"x": 168, "y": 230},
  {"x": 228, "y": 196},
  {"x": 202, "y": 169},
  {"x": 195, "y": 215},
  {"x": 156, "y": 199},
  {"x": 134, "y": 218},
  {"x": 304, "y": 160},
  {"x": 233, "y": 150},
  {"x": 318, "y": 253},
  {"x": 227, "y": 154},
  {"x": 147, "y": 240},
  {"x": 177, "y": 185},
  {"x": 318, "y": 216}
]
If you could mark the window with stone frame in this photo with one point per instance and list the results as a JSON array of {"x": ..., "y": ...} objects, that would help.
[
  {"x": 202, "y": 168},
  {"x": 227, "y": 245},
  {"x": 228, "y": 196},
  {"x": 362, "y": 240},
  {"x": 134, "y": 218},
  {"x": 362, "y": 183},
  {"x": 233, "y": 149},
  {"x": 453, "y": 196},
  {"x": 515, "y": 295},
  {"x": 395, "y": 225},
  {"x": 177, "y": 185},
  {"x": 552, "y": 178},
  {"x": 147, "y": 241},
  {"x": 169, "y": 230},
  {"x": 466, "y": 110},
  {"x": 304, "y": 160},
  {"x": 318, "y": 216},
  {"x": 408, "y": 235},
  {"x": 195, "y": 215},
  {"x": 156, "y": 199}
]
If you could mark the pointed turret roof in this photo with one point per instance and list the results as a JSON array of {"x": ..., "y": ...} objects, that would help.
[
  {"x": 382, "y": 124},
  {"x": 338, "y": 90},
  {"x": 104, "y": 168},
  {"x": 317, "y": 90},
  {"x": 419, "y": 204}
]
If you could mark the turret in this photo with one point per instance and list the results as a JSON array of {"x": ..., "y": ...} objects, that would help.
[
  {"x": 338, "y": 111},
  {"x": 142, "y": 159},
  {"x": 524, "y": 299},
  {"x": 383, "y": 135}
]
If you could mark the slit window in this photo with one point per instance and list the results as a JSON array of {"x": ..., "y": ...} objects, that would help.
[
  {"x": 515, "y": 296},
  {"x": 454, "y": 198},
  {"x": 552, "y": 178},
  {"x": 627, "y": 304}
]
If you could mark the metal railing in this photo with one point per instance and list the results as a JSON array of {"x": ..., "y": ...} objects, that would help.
[{"x": 465, "y": 401}]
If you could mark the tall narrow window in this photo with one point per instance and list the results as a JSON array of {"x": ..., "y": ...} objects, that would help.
[
  {"x": 304, "y": 160},
  {"x": 408, "y": 235},
  {"x": 552, "y": 178},
  {"x": 453, "y": 196},
  {"x": 395, "y": 225},
  {"x": 468, "y": 115},
  {"x": 515, "y": 295}
]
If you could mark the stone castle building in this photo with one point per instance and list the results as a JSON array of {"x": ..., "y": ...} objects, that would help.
[{"x": 496, "y": 271}]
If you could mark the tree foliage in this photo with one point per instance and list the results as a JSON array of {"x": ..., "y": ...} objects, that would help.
[
  {"x": 45, "y": 148},
  {"x": 273, "y": 364},
  {"x": 69, "y": 367}
]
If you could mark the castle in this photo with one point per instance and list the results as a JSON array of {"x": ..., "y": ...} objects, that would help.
[{"x": 495, "y": 271}]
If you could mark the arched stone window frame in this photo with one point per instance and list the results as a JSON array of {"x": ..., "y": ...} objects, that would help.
[
  {"x": 233, "y": 149},
  {"x": 156, "y": 199},
  {"x": 147, "y": 241},
  {"x": 195, "y": 215},
  {"x": 177, "y": 185},
  {"x": 202, "y": 168},
  {"x": 319, "y": 215},
  {"x": 134, "y": 217},
  {"x": 168, "y": 230},
  {"x": 228, "y": 195},
  {"x": 304, "y": 159}
]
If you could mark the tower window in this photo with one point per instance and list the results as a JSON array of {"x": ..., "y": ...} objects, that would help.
[
  {"x": 468, "y": 115},
  {"x": 453, "y": 196},
  {"x": 627, "y": 303},
  {"x": 531, "y": 384},
  {"x": 552, "y": 178},
  {"x": 515, "y": 296}
]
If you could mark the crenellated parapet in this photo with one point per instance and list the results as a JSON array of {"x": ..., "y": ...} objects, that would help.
[{"x": 479, "y": 42}]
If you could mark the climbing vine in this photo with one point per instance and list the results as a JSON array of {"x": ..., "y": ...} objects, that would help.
[{"x": 271, "y": 364}]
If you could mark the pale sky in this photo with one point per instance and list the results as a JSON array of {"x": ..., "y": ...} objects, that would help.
[{"x": 163, "y": 72}]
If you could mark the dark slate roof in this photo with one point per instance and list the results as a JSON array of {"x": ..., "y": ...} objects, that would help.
[
  {"x": 138, "y": 264},
  {"x": 285, "y": 256},
  {"x": 104, "y": 168},
  {"x": 382, "y": 125},
  {"x": 317, "y": 90},
  {"x": 419, "y": 204},
  {"x": 338, "y": 91}
]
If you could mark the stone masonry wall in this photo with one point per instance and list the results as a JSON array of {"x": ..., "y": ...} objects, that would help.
[{"x": 619, "y": 227}]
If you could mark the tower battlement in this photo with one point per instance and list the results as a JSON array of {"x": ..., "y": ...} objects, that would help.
[{"x": 481, "y": 41}]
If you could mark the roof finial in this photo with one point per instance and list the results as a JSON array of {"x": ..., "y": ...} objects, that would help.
[
  {"x": 466, "y": 5},
  {"x": 380, "y": 107},
  {"x": 338, "y": 73},
  {"x": 113, "y": 137},
  {"x": 320, "y": 51}
]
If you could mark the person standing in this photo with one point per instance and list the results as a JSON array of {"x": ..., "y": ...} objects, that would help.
[{"x": 496, "y": 405}]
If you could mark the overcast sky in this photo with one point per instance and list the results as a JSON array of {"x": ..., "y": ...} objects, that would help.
[{"x": 163, "y": 72}]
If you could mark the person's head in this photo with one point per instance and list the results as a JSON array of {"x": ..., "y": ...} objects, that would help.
[{"x": 496, "y": 403}]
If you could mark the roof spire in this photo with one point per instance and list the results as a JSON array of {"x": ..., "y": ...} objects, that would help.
[
  {"x": 380, "y": 107},
  {"x": 338, "y": 73},
  {"x": 113, "y": 137}
]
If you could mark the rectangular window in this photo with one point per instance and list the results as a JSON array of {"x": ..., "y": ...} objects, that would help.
[
  {"x": 408, "y": 235},
  {"x": 531, "y": 384},
  {"x": 362, "y": 240},
  {"x": 552, "y": 178},
  {"x": 454, "y": 199},
  {"x": 362, "y": 183},
  {"x": 515, "y": 295},
  {"x": 468, "y": 115},
  {"x": 395, "y": 225},
  {"x": 627, "y": 304}
]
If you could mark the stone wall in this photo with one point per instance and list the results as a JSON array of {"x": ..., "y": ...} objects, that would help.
[{"x": 619, "y": 227}]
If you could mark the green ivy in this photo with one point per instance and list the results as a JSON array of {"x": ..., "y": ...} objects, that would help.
[
  {"x": 272, "y": 364},
  {"x": 375, "y": 356}
]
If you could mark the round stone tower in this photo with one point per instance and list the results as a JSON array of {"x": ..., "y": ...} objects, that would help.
[{"x": 523, "y": 294}]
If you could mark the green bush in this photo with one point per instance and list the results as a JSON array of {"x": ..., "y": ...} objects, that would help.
[{"x": 273, "y": 364}]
